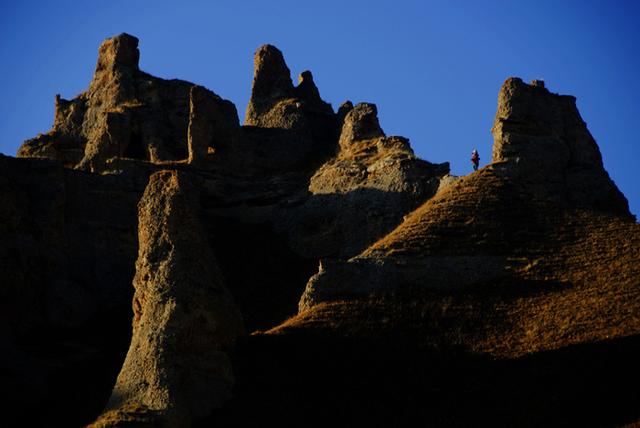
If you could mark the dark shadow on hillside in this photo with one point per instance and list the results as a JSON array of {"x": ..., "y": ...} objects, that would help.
[
  {"x": 335, "y": 381},
  {"x": 265, "y": 277},
  {"x": 267, "y": 263},
  {"x": 64, "y": 377},
  {"x": 274, "y": 151}
]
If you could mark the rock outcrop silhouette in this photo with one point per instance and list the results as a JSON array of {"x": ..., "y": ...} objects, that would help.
[{"x": 163, "y": 264}]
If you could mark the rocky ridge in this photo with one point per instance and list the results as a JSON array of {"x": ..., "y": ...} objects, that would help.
[{"x": 535, "y": 252}]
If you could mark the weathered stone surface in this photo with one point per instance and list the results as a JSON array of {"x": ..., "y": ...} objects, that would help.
[
  {"x": 308, "y": 92},
  {"x": 369, "y": 159},
  {"x": 184, "y": 318},
  {"x": 275, "y": 103},
  {"x": 362, "y": 193},
  {"x": 60, "y": 228},
  {"x": 344, "y": 108},
  {"x": 126, "y": 113},
  {"x": 271, "y": 83},
  {"x": 360, "y": 123},
  {"x": 541, "y": 135}
]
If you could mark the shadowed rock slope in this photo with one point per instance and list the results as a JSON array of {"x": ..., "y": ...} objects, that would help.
[
  {"x": 149, "y": 229},
  {"x": 515, "y": 259}
]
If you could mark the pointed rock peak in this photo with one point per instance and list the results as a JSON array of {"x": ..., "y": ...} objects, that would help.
[
  {"x": 305, "y": 78},
  {"x": 271, "y": 83},
  {"x": 118, "y": 51},
  {"x": 275, "y": 102},
  {"x": 361, "y": 123},
  {"x": 542, "y": 135},
  {"x": 527, "y": 111},
  {"x": 346, "y": 107},
  {"x": 307, "y": 89},
  {"x": 271, "y": 76},
  {"x": 343, "y": 110}
]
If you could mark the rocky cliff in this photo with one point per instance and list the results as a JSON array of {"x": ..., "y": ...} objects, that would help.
[{"x": 187, "y": 270}]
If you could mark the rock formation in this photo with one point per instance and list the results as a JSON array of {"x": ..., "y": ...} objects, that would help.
[
  {"x": 370, "y": 160},
  {"x": 357, "y": 267},
  {"x": 363, "y": 191},
  {"x": 124, "y": 113},
  {"x": 213, "y": 124},
  {"x": 506, "y": 229},
  {"x": 542, "y": 136},
  {"x": 276, "y": 104},
  {"x": 184, "y": 319}
]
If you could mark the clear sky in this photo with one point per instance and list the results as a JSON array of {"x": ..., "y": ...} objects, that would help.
[{"x": 433, "y": 68}]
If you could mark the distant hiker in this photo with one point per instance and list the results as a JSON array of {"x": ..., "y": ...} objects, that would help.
[{"x": 475, "y": 159}]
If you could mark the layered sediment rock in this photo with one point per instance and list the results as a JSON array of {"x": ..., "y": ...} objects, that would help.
[
  {"x": 487, "y": 231},
  {"x": 541, "y": 136},
  {"x": 124, "y": 113},
  {"x": 68, "y": 240},
  {"x": 185, "y": 320}
]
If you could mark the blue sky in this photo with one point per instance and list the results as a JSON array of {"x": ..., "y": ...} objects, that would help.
[{"x": 433, "y": 68}]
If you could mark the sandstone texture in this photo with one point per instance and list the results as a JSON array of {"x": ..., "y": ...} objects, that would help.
[
  {"x": 164, "y": 263},
  {"x": 184, "y": 318},
  {"x": 363, "y": 191},
  {"x": 124, "y": 113},
  {"x": 276, "y": 103},
  {"x": 541, "y": 135}
]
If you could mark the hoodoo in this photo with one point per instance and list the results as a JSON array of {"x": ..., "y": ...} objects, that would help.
[{"x": 163, "y": 264}]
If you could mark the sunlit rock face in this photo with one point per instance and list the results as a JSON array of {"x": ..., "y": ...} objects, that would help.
[
  {"x": 184, "y": 318},
  {"x": 541, "y": 135},
  {"x": 124, "y": 113}
]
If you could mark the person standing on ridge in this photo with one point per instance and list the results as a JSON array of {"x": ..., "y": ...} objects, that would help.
[{"x": 475, "y": 159}]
